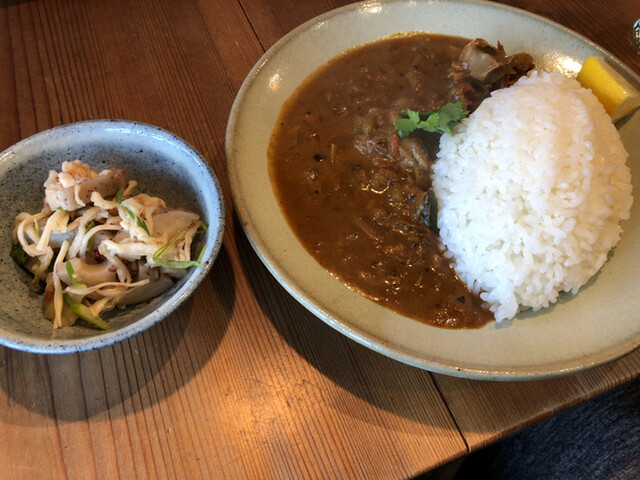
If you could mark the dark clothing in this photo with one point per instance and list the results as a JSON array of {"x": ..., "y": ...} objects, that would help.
[{"x": 597, "y": 440}]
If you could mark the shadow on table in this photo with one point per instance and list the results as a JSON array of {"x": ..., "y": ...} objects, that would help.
[
  {"x": 129, "y": 376},
  {"x": 385, "y": 383}
]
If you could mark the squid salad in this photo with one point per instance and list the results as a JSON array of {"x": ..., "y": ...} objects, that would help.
[{"x": 96, "y": 245}]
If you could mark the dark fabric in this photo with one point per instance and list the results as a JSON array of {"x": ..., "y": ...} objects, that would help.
[{"x": 598, "y": 440}]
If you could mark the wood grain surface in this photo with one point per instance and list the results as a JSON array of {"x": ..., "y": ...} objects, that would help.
[{"x": 241, "y": 382}]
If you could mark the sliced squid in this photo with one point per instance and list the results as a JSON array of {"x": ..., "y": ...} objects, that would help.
[{"x": 71, "y": 189}]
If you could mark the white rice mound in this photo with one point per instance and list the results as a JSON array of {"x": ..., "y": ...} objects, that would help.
[{"x": 531, "y": 191}]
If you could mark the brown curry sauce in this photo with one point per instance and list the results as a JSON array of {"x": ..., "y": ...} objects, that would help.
[{"x": 354, "y": 193}]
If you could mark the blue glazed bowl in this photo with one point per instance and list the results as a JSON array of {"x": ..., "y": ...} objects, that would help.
[{"x": 162, "y": 164}]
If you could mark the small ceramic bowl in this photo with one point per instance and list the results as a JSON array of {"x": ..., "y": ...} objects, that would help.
[{"x": 162, "y": 164}]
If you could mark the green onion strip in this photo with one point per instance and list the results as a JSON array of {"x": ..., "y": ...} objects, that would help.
[{"x": 179, "y": 264}]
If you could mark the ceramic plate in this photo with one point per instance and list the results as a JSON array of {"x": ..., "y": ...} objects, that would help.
[{"x": 599, "y": 324}]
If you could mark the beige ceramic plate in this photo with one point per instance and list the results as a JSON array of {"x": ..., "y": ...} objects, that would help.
[{"x": 598, "y": 325}]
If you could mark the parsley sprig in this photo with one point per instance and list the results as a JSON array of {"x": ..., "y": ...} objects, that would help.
[{"x": 437, "y": 121}]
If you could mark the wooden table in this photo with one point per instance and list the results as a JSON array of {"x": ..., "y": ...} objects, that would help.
[{"x": 241, "y": 382}]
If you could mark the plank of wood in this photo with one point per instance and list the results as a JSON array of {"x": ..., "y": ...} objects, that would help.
[
  {"x": 273, "y": 20},
  {"x": 241, "y": 381},
  {"x": 258, "y": 395},
  {"x": 489, "y": 411}
]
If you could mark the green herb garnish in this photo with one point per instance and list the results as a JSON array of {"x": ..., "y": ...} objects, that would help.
[
  {"x": 179, "y": 264},
  {"x": 437, "y": 121}
]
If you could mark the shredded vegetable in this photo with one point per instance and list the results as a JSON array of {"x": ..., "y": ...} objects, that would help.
[
  {"x": 96, "y": 246},
  {"x": 179, "y": 264}
]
